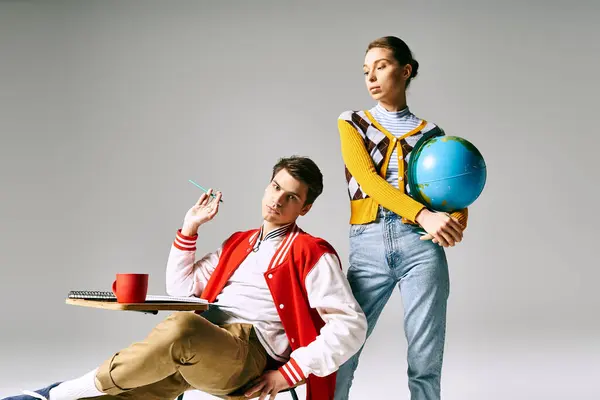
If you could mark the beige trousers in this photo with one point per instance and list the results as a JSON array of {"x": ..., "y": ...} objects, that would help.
[{"x": 184, "y": 352}]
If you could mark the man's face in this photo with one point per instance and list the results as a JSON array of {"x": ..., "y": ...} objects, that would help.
[{"x": 284, "y": 198}]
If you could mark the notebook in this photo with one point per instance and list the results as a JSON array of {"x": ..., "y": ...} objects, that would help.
[{"x": 109, "y": 296}]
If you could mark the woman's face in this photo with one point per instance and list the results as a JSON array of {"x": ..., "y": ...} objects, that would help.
[{"x": 384, "y": 77}]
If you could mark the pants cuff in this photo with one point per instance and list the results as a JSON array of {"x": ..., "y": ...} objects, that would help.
[{"x": 107, "y": 385}]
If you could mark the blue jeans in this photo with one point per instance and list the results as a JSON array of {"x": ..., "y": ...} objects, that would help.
[{"x": 387, "y": 253}]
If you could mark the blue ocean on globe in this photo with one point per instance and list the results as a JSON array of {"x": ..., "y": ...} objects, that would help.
[{"x": 446, "y": 173}]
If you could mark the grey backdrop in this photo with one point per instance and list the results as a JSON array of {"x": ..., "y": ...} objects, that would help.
[{"x": 107, "y": 108}]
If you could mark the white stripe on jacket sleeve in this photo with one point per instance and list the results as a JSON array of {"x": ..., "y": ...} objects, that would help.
[{"x": 292, "y": 372}]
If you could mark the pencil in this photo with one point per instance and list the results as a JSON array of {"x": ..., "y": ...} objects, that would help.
[{"x": 203, "y": 189}]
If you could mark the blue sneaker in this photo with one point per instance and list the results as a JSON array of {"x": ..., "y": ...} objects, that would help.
[{"x": 42, "y": 394}]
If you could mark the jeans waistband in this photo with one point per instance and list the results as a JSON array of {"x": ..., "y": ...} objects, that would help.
[{"x": 384, "y": 212}]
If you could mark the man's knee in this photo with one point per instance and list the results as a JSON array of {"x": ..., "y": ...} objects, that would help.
[
  {"x": 177, "y": 338},
  {"x": 186, "y": 320},
  {"x": 183, "y": 325}
]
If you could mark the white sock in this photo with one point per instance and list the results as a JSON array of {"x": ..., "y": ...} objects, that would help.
[{"x": 84, "y": 386}]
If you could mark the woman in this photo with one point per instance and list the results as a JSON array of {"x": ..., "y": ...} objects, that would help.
[{"x": 386, "y": 243}]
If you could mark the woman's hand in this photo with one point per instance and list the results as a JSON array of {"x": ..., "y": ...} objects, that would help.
[{"x": 441, "y": 228}]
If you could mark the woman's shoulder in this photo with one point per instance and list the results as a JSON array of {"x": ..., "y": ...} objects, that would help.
[
  {"x": 351, "y": 115},
  {"x": 429, "y": 125},
  {"x": 430, "y": 128}
]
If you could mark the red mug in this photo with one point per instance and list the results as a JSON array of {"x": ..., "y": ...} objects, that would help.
[{"x": 130, "y": 288}]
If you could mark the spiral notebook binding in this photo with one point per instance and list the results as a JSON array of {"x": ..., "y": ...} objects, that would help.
[{"x": 92, "y": 295}]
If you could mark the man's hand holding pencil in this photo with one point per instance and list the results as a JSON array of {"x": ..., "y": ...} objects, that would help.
[{"x": 203, "y": 211}]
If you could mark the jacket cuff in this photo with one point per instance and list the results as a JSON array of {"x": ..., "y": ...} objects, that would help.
[
  {"x": 292, "y": 372},
  {"x": 185, "y": 243}
]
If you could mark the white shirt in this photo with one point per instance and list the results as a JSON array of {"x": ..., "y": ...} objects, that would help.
[{"x": 248, "y": 299}]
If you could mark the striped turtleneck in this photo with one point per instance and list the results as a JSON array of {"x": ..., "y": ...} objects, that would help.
[{"x": 398, "y": 123}]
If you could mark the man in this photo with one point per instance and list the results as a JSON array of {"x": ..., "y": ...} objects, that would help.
[{"x": 285, "y": 311}]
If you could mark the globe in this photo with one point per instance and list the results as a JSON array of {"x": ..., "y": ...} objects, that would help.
[{"x": 446, "y": 173}]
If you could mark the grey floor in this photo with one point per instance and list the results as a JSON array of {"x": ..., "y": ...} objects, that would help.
[{"x": 480, "y": 368}]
